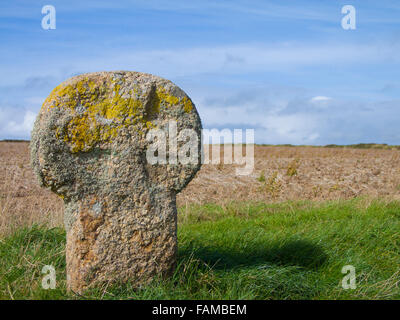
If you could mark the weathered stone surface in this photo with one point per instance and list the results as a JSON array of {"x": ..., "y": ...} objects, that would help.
[{"x": 89, "y": 146}]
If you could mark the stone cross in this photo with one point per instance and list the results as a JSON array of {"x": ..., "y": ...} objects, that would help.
[{"x": 89, "y": 147}]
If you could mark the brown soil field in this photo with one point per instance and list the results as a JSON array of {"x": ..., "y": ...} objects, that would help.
[{"x": 280, "y": 174}]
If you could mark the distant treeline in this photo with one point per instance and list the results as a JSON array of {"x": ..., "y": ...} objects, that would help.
[
  {"x": 365, "y": 146},
  {"x": 354, "y": 146},
  {"x": 14, "y": 140}
]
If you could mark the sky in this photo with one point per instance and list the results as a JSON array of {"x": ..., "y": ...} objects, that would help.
[{"x": 287, "y": 69}]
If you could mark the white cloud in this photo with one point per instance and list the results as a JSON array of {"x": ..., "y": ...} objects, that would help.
[
  {"x": 16, "y": 125},
  {"x": 320, "y": 98},
  {"x": 321, "y": 102},
  {"x": 297, "y": 119}
]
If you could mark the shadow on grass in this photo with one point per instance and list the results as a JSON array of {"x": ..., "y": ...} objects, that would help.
[{"x": 301, "y": 253}]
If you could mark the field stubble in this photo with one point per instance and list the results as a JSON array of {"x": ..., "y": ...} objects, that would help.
[{"x": 281, "y": 173}]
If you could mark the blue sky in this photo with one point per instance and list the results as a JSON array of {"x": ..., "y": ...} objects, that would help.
[{"x": 284, "y": 68}]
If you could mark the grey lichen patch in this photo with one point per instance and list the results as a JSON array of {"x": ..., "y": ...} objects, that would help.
[
  {"x": 88, "y": 146},
  {"x": 97, "y": 209}
]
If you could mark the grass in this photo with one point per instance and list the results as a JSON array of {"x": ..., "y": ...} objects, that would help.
[{"x": 293, "y": 250}]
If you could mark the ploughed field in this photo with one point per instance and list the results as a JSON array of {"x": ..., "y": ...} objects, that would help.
[
  {"x": 284, "y": 232},
  {"x": 280, "y": 174}
]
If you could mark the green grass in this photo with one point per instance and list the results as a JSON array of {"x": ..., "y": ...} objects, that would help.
[{"x": 241, "y": 251}]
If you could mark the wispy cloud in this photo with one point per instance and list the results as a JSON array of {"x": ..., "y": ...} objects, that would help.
[
  {"x": 320, "y": 98},
  {"x": 286, "y": 69},
  {"x": 232, "y": 59}
]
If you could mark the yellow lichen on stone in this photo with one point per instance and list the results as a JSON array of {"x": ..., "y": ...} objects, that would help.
[
  {"x": 81, "y": 134},
  {"x": 53, "y": 97},
  {"x": 171, "y": 100},
  {"x": 164, "y": 96},
  {"x": 98, "y": 113},
  {"x": 187, "y": 105},
  {"x": 101, "y": 109}
]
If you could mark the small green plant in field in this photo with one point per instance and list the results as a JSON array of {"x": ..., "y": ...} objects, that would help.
[
  {"x": 335, "y": 187},
  {"x": 291, "y": 250},
  {"x": 261, "y": 178},
  {"x": 272, "y": 186},
  {"x": 317, "y": 190},
  {"x": 292, "y": 168}
]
